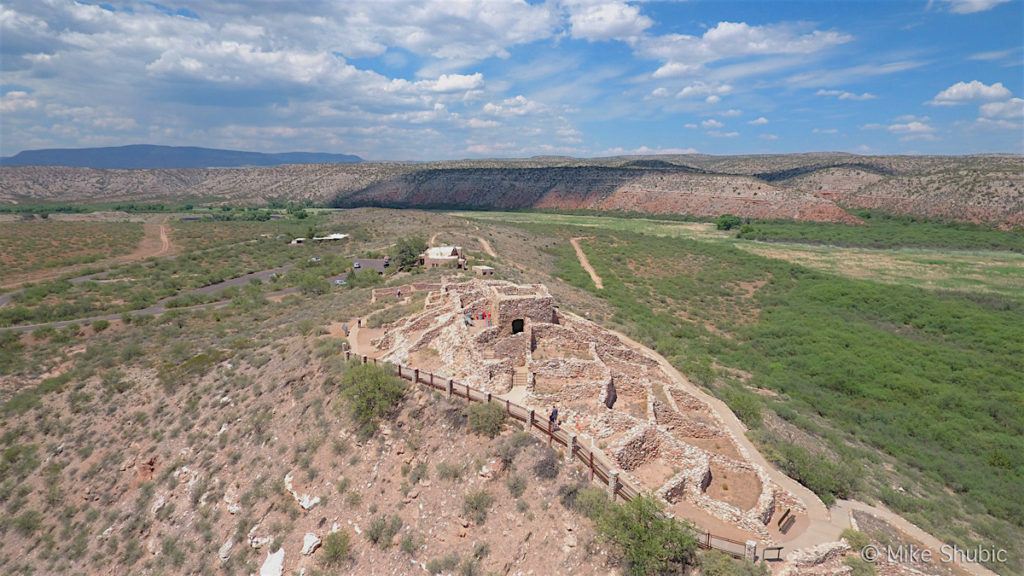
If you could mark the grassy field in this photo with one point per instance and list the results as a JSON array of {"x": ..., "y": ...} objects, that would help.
[
  {"x": 998, "y": 272},
  {"x": 42, "y": 244},
  {"x": 880, "y": 231},
  {"x": 919, "y": 387}
]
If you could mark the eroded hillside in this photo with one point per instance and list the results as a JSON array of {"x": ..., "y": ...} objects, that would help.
[{"x": 812, "y": 187}]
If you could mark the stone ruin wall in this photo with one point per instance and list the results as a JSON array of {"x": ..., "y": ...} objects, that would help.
[
  {"x": 515, "y": 347},
  {"x": 582, "y": 382},
  {"x": 541, "y": 309},
  {"x": 637, "y": 448}
]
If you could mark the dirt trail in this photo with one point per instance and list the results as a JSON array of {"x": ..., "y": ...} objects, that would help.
[
  {"x": 586, "y": 263},
  {"x": 156, "y": 242},
  {"x": 487, "y": 247}
]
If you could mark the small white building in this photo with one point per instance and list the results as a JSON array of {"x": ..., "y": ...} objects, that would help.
[
  {"x": 443, "y": 257},
  {"x": 330, "y": 238}
]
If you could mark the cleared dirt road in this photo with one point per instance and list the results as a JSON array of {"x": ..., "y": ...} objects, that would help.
[
  {"x": 586, "y": 263},
  {"x": 487, "y": 247}
]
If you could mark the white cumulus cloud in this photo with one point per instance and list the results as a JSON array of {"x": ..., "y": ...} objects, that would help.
[
  {"x": 606, "y": 20},
  {"x": 1012, "y": 108},
  {"x": 962, "y": 92}
]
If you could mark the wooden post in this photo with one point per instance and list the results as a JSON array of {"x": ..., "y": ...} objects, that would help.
[
  {"x": 431, "y": 379},
  {"x": 488, "y": 397},
  {"x": 415, "y": 375},
  {"x": 551, "y": 435},
  {"x": 364, "y": 358},
  {"x": 508, "y": 408},
  {"x": 530, "y": 427},
  {"x": 570, "y": 448},
  {"x": 450, "y": 386},
  {"x": 613, "y": 484},
  {"x": 348, "y": 355},
  {"x": 591, "y": 465},
  {"x": 468, "y": 398},
  {"x": 399, "y": 370}
]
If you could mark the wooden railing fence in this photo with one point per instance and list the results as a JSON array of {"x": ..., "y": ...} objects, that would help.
[{"x": 617, "y": 487}]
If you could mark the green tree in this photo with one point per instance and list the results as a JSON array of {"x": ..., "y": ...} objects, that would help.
[
  {"x": 373, "y": 393},
  {"x": 313, "y": 285},
  {"x": 649, "y": 542},
  {"x": 407, "y": 252},
  {"x": 728, "y": 222}
]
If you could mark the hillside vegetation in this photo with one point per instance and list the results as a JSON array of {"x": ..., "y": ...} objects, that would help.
[{"x": 929, "y": 381}]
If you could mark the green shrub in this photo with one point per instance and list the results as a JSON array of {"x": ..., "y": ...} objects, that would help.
[
  {"x": 546, "y": 467},
  {"x": 486, "y": 419},
  {"x": 446, "y": 471},
  {"x": 516, "y": 485},
  {"x": 28, "y": 522},
  {"x": 857, "y": 540},
  {"x": 715, "y": 563},
  {"x": 746, "y": 405},
  {"x": 444, "y": 564},
  {"x": 508, "y": 448},
  {"x": 827, "y": 479},
  {"x": 100, "y": 325},
  {"x": 728, "y": 222},
  {"x": 859, "y": 566},
  {"x": 373, "y": 393},
  {"x": 336, "y": 548},
  {"x": 476, "y": 505},
  {"x": 408, "y": 544},
  {"x": 418, "y": 472},
  {"x": 382, "y": 530}
]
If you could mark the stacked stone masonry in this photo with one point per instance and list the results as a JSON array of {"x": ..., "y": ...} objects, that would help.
[{"x": 664, "y": 439}]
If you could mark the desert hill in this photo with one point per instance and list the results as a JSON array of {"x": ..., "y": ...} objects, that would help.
[
  {"x": 813, "y": 187},
  {"x": 151, "y": 156}
]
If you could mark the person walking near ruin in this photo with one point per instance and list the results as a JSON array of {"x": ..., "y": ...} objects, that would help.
[{"x": 553, "y": 418}]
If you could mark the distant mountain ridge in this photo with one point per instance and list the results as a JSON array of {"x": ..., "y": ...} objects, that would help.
[
  {"x": 823, "y": 187},
  {"x": 150, "y": 156}
]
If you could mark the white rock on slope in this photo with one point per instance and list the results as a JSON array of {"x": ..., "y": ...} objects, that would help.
[
  {"x": 310, "y": 542},
  {"x": 274, "y": 564}
]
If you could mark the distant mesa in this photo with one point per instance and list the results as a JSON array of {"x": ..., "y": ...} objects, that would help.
[{"x": 142, "y": 156}]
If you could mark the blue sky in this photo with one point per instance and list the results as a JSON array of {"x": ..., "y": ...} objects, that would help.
[{"x": 439, "y": 79}]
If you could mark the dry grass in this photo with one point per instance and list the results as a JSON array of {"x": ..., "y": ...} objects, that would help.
[{"x": 40, "y": 245}]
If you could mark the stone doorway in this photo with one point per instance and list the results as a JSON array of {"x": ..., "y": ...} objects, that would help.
[{"x": 517, "y": 325}]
